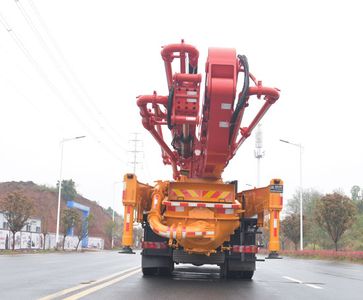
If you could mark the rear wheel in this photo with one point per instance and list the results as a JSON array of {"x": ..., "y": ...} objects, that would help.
[
  {"x": 149, "y": 271},
  {"x": 247, "y": 275},
  {"x": 156, "y": 260},
  {"x": 224, "y": 270},
  {"x": 165, "y": 271}
]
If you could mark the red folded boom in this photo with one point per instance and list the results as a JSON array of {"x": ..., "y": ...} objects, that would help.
[{"x": 204, "y": 137}]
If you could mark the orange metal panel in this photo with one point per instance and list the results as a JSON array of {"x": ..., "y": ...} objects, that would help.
[{"x": 205, "y": 192}]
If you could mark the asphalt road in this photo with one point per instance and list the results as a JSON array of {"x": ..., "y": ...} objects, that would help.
[{"x": 109, "y": 275}]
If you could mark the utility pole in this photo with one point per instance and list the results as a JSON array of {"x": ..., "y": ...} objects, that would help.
[
  {"x": 259, "y": 152},
  {"x": 60, "y": 185},
  {"x": 135, "y": 150},
  {"x": 301, "y": 191}
]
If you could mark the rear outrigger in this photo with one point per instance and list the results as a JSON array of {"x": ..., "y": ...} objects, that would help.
[{"x": 198, "y": 218}]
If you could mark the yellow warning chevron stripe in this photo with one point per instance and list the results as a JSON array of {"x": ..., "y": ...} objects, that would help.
[{"x": 178, "y": 192}]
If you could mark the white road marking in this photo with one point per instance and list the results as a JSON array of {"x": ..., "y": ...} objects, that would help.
[
  {"x": 100, "y": 286},
  {"x": 292, "y": 279},
  {"x": 81, "y": 286},
  {"x": 301, "y": 282},
  {"x": 314, "y": 286}
]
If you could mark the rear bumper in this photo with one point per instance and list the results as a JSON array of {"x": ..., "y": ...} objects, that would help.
[{"x": 180, "y": 256}]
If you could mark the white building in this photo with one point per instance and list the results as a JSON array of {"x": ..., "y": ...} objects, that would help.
[
  {"x": 30, "y": 237},
  {"x": 32, "y": 225}
]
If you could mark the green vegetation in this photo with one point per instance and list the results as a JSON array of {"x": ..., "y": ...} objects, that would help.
[
  {"x": 290, "y": 228},
  {"x": 69, "y": 191},
  {"x": 17, "y": 210},
  {"x": 114, "y": 228},
  {"x": 83, "y": 227},
  {"x": 351, "y": 256},
  {"x": 335, "y": 213},
  {"x": 332, "y": 221},
  {"x": 70, "y": 219}
]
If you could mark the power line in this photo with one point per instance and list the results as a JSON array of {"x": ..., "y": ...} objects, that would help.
[
  {"x": 75, "y": 78},
  {"x": 58, "y": 66},
  {"x": 50, "y": 84}
]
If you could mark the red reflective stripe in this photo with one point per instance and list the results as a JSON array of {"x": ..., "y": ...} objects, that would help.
[
  {"x": 220, "y": 210},
  {"x": 154, "y": 245},
  {"x": 201, "y": 204},
  {"x": 245, "y": 249},
  {"x": 275, "y": 214},
  {"x": 128, "y": 213},
  {"x": 171, "y": 208},
  {"x": 275, "y": 231}
]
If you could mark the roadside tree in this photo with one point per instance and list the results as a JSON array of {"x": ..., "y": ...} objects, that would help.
[
  {"x": 43, "y": 212},
  {"x": 355, "y": 192},
  {"x": 82, "y": 229},
  {"x": 110, "y": 230},
  {"x": 290, "y": 228},
  {"x": 18, "y": 209},
  {"x": 335, "y": 213},
  {"x": 69, "y": 191},
  {"x": 114, "y": 228},
  {"x": 70, "y": 219},
  {"x": 309, "y": 196}
]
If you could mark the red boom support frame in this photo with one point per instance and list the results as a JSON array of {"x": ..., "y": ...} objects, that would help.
[{"x": 203, "y": 140}]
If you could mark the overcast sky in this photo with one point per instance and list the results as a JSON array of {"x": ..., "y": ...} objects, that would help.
[{"x": 311, "y": 50}]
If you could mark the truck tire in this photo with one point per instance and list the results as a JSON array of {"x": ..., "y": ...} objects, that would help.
[
  {"x": 247, "y": 275},
  {"x": 149, "y": 271},
  {"x": 224, "y": 270},
  {"x": 165, "y": 271},
  {"x": 155, "y": 261}
]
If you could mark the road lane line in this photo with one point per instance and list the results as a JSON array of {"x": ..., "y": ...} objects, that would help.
[
  {"x": 82, "y": 286},
  {"x": 292, "y": 279},
  {"x": 100, "y": 286},
  {"x": 314, "y": 286},
  {"x": 301, "y": 282}
]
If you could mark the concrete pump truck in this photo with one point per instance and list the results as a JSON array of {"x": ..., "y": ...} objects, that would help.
[{"x": 197, "y": 217}]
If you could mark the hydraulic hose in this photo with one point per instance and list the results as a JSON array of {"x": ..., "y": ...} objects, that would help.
[
  {"x": 170, "y": 107},
  {"x": 244, "y": 95},
  {"x": 200, "y": 229}
]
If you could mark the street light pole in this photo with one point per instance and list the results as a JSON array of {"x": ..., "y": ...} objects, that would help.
[
  {"x": 60, "y": 184},
  {"x": 301, "y": 202},
  {"x": 113, "y": 215},
  {"x": 301, "y": 192}
]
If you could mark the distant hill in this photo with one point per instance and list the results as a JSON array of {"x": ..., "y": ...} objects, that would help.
[{"x": 45, "y": 206}]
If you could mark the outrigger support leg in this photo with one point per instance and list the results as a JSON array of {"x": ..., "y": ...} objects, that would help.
[{"x": 126, "y": 250}]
